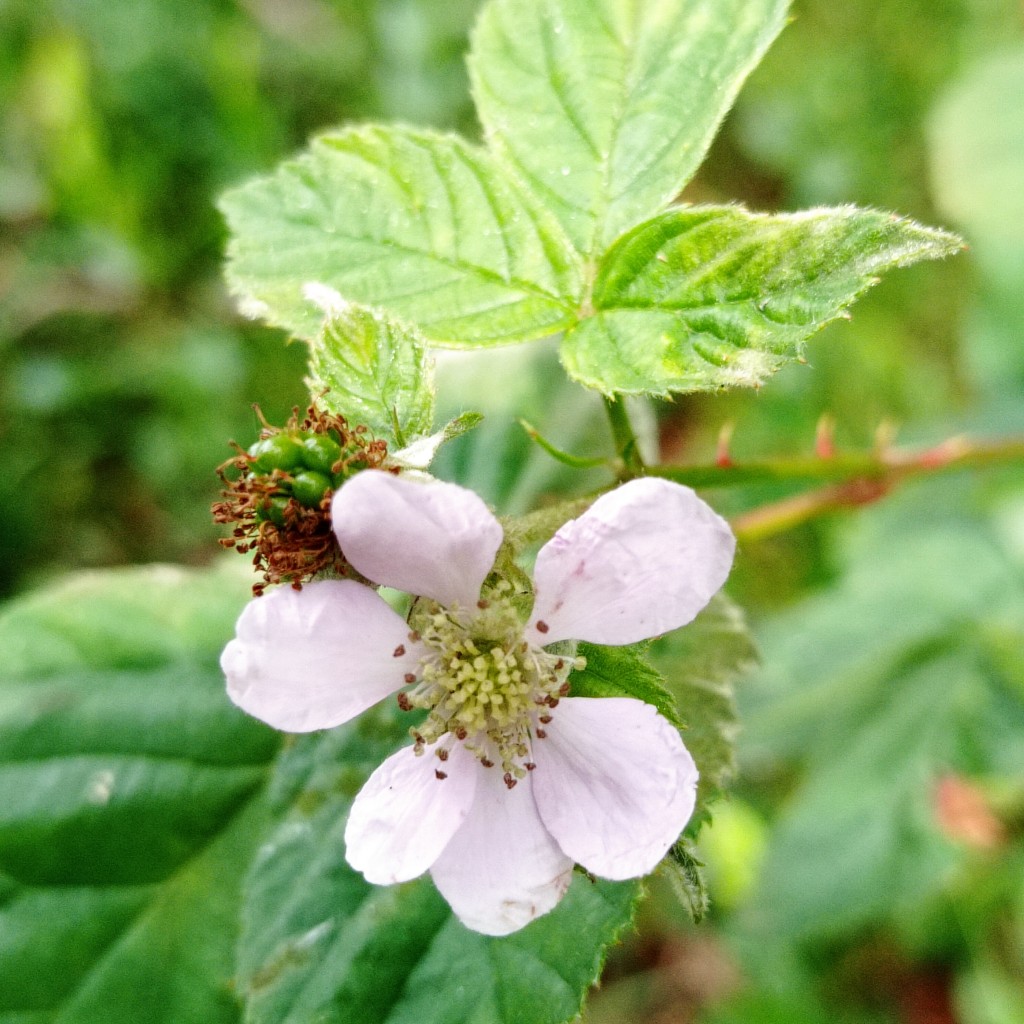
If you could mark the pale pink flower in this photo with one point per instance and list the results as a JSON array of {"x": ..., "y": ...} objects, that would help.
[{"x": 509, "y": 782}]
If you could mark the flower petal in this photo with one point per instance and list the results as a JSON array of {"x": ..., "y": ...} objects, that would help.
[
  {"x": 643, "y": 559},
  {"x": 314, "y": 658},
  {"x": 425, "y": 537},
  {"x": 501, "y": 869},
  {"x": 614, "y": 784},
  {"x": 405, "y": 815}
]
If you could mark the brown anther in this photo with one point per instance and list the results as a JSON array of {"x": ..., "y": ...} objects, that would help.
[
  {"x": 510, "y": 782},
  {"x": 442, "y": 754},
  {"x": 560, "y": 664},
  {"x": 544, "y": 718},
  {"x": 529, "y": 766},
  {"x": 414, "y": 636},
  {"x": 410, "y": 677},
  {"x": 540, "y": 734},
  {"x": 482, "y": 604},
  {"x": 438, "y": 774},
  {"x": 564, "y": 689},
  {"x": 542, "y": 627},
  {"x": 398, "y": 651},
  {"x": 486, "y": 762},
  {"x": 403, "y": 702},
  {"x": 552, "y": 702},
  {"x": 460, "y": 733}
]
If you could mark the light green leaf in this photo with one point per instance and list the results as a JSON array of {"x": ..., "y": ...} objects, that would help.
[
  {"x": 708, "y": 297},
  {"x": 129, "y": 801},
  {"x": 420, "y": 224},
  {"x": 607, "y": 107},
  {"x": 623, "y": 672},
  {"x": 319, "y": 943},
  {"x": 374, "y": 371}
]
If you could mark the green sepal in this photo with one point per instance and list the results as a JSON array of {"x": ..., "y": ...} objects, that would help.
[
  {"x": 684, "y": 872},
  {"x": 623, "y": 672}
]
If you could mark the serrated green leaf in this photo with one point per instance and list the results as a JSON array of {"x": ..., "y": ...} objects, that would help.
[
  {"x": 374, "y": 371},
  {"x": 129, "y": 801},
  {"x": 709, "y": 297},
  {"x": 700, "y": 664},
  {"x": 423, "y": 225},
  {"x": 606, "y": 107},
  {"x": 319, "y": 943},
  {"x": 623, "y": 672}
]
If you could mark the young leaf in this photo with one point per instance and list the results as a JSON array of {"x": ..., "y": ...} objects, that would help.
[
  {"x": 320, "y": 943},
  {"x": 607, "y": 107},
  {"x": 707, "y": 297},
  {"x": 129, "y": 801},
  {"x": 420, "y": 224},
  {"x": 374, "y": 371}
]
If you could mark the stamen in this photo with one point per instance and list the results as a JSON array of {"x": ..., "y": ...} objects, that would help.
[
  {"x": 399, "y": 651},
  {"x": 542, "y": 627}
]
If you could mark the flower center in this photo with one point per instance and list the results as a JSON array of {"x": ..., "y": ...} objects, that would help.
[{"x": 483, "y": 684}]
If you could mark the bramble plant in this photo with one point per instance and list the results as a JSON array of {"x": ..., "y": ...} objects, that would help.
[
  {"x": 475, "y": 757},
  {"x": 381, "y": 243}
]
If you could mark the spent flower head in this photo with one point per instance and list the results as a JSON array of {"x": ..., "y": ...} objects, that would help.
[
  {"x": 510, "y": 780},
  {"x": 277, "y": 495}
]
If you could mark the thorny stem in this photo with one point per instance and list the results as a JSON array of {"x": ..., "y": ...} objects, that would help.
[
  {"x": 851, "y": 478},
  {"x": 626, "y": 446}
]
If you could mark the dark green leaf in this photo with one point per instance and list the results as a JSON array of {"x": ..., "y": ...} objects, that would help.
[
  {"x": 129, "y": 801},
  {"x": 321, "y": 944}
]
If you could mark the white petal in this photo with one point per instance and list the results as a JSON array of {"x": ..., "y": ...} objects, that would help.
[
  {"x": 422, "y": 536},
  {"x": 314, "y": 658},
  {"x": 614, "y": 784},
  {"x": 643, "y": 559},
  {"x": 404, "y": 816},
  {"x": 501, "y": 869}
]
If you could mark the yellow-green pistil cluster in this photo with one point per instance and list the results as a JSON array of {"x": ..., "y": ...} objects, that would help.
[{"x": 483, "y": 683}]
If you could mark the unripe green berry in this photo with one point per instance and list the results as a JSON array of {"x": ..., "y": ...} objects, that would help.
[
  {"x": 309, "y": 488},
  {"x": 273, "y": 509},
  {"x": 320, "y": 453},
  {"x": 279, "y": 451}
]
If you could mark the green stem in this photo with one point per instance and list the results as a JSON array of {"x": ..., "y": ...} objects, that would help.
[{"x": 626, "y": 446}]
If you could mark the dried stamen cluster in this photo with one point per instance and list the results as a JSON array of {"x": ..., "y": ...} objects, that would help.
[{"x": 277, "y": 495}]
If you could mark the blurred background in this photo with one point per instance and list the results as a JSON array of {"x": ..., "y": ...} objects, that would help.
[{"x": 869, "y": 866}]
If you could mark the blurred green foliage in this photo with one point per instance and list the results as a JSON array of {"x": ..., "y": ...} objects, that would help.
[{"x": 869, "y": 867}]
